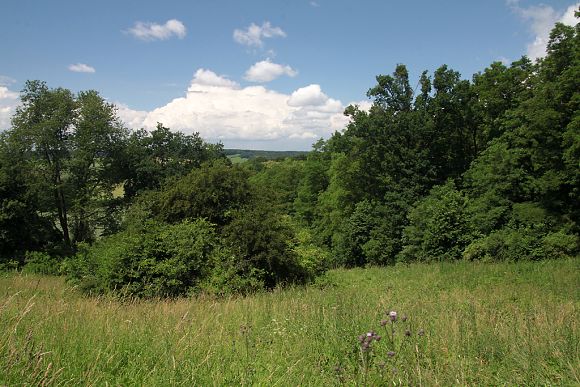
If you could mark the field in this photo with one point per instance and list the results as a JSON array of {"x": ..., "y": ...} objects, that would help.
[{"x": 469, "y": 324}]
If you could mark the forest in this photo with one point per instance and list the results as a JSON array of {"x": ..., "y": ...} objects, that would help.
[{"x": 481, "y": 169}]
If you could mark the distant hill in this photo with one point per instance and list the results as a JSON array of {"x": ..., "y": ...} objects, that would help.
[{"x": 246, "y": 154}]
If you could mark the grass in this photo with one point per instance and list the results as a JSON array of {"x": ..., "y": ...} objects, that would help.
[
  {"x": 484, "y": 324},
  {"x": 237, "y": 159}
]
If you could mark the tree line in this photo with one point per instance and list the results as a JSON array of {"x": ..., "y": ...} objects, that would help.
[{"x": 480, "y": 169}]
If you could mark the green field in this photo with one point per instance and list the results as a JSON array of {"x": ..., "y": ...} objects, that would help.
[{"x": 484, "y": 324}]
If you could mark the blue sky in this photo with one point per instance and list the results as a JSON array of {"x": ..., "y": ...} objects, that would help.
[{"x": 255, "y": 74}]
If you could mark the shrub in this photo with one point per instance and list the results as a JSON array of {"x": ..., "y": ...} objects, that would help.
[
  {"x": 161, "y": 260},
  {"x": 262, "y": 245},
  {"x": 438, "y": 226},
  {"x": 41, "y": 263},
  {"x": 529, "y": 234}
]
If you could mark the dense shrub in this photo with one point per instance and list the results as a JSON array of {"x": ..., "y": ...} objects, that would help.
[
  {"x": 209, "y": 192},
  {"x": 41, "y": 263},
  {"x": 159, "y": 260},
  {"x": 262, "y": 245},
  {"x": 438, "y": 226},
  {"x": 530, "y": 233}
]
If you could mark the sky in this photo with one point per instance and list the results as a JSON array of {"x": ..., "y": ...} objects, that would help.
[{"x": 255, "y": 74}]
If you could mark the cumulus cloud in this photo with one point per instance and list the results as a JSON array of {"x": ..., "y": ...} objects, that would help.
[
  {"x": 203, "y": 77},
  {"x": 253, "y": 36},
  {"x": 542, "y": 19},
  {"x": 266, "y": 71},
  {"x": 153, "y": 31},
  {"x": 8, "y": 102},
  {"x": 81, "y": 68},
  {"x": 311, "y": 95},
  {"x": 219, "y": 109}
]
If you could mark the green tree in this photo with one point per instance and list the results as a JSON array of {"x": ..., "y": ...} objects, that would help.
[
  {"x": 70, "y": 145},
  {"x": 42, "y": 127},
  {"x": 151, "y": 158}
]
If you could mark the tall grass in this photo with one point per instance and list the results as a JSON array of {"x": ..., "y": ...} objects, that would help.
[{"x": 484, "y": 324}]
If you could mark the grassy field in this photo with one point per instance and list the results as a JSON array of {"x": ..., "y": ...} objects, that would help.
[{"x": 483, "y": 324}]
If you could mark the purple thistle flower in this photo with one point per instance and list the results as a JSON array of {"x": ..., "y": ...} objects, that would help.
[
  {"x": 393, "y": 316},
  {"x": 390, "y": 354}
]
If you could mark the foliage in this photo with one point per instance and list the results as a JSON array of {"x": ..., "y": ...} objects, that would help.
[
  {"x": 151, "y": 158},
  {"x": 262, "y": 245},
  {"x": 157, "y": 261},
  {"x": 438, "y": 226},
  {"x": 41, "y": 263},
  {"x": 281, "y": 178},
  {"x": 70, "y": 145},
  {"x": 211, "y": 191}
]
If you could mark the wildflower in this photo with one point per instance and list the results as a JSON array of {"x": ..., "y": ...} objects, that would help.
[
  {"x": 390, "y": 354},
  {"x": 421, "y": 332},
  {"x": 361, "y": 338},
  {"x": 384, "y": 322},
  {"x": 407, "y": 333},
  {"x": 404, "y": 318},
  {"x": 393, "y": 316}
]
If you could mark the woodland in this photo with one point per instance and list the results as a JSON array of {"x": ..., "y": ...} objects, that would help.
[{"x": 481, "y": 169}]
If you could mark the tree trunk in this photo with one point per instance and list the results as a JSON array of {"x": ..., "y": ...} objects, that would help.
[{"x": 61, "y": 209}]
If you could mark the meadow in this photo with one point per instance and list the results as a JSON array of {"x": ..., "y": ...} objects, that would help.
[{"x": 468, "y": 324}]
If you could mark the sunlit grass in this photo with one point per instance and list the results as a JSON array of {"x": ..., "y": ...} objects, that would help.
[{"x": 485, "y": 324}]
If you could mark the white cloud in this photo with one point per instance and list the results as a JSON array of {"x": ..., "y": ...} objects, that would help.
[
  {"x": 542, "y": 19},
  {"x": 253, "y": 36},
  {"x": 81, "y": 68},
  {"x": 310, "y": 95},
  {"x": 266, "y": 71},
  {"x": 132, "y": 118},
  {"x": 153, "y": 31},
  {"x": 8, "y": 102},
  {"x": 203, "y": 77},
  {"x": 219, "y": 109}
]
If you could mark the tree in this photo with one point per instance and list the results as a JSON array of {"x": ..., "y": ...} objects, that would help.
[
  {"x": 22, "y": 227},
  {"x": 71, "y": 146},
  {"x": 97, "y": 144},
  {"x": 153, "y": 157},
  {"x": 42, "y": 127}
]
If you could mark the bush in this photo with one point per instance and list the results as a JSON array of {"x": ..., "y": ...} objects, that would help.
[
  {"x": 514, "y": 244},
  {"x": 209, "y": 192},
  {"x": 262, "y": 245},
  {"x": 530, "y": 234},
  {"x": 41, "y": 263},
  {"x": 438, "y": 226},
  {"x": 160, "y": 261},
  {"x": 314, "y": 259}
]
